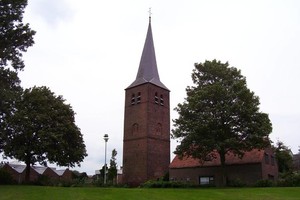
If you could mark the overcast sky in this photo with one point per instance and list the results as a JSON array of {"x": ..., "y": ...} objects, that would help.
[{"x": 89, "y": 52}]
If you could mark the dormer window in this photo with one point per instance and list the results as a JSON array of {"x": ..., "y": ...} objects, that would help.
[
  {"x": 161, "y": 100},
  {"x": 156, "y": 98},
  {"x": 138, "y": 99},
  {"x": 133, "y": 99}
]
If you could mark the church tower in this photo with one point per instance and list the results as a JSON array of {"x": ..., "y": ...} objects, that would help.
[{"x": 146, "y": 145}]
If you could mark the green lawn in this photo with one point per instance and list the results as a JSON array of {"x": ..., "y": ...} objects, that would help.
[{"x": 93, "y": 193}]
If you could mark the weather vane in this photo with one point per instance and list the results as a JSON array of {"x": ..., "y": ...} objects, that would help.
[{"x": 150, "y": 13}]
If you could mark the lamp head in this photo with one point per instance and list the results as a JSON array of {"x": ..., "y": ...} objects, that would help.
[{"x": 105, "y": 137}]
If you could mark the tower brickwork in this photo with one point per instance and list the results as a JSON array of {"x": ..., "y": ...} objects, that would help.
[{"x": 146, "y": 146}]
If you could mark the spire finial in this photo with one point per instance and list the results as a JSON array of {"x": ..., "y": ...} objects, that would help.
[{"x": 150, "y": 13}]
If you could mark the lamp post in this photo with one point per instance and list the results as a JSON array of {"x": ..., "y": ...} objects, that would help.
[{"x": 105, "y": 139}]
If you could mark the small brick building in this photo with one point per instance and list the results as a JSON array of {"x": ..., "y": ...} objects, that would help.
[
  {"x": 254, "y": 166},
  {"x": 146, "y": 146}
]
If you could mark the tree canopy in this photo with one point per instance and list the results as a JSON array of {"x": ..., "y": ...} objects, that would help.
[
  {"x": 43, "y": 130},
  {"x": 10, "y": 92},
  {"x": 15, "y": 36},
  {"x": 219, "y": 114},
  {"x": 284, "y": 157}
]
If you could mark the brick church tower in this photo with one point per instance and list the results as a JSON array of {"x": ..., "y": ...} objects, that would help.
[{"x": 146, "y": 146}]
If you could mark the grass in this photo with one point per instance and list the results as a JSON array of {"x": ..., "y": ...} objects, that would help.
[{"x": 94, "y": 193}]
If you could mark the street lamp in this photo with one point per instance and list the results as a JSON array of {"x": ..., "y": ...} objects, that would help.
[{"x": 105, "y": 139}]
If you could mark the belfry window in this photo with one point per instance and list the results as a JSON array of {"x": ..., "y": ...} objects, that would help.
[
  {"x": 161, "y": 100},
  {"x": 138, "y": 99},
  {"x": 133, "y": 99},
  {"x": 156, "y": 98}
]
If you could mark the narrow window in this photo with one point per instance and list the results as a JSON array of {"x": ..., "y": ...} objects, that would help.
[
  {"x": 158, "y": 129},
  {"x": 267, "y": 161},
  {"x": 161, "y": 100},
  {"x": 156, "y": 98},
  {"x": 135, "y": 129},
  {"x": 133, "y": 99},
  {"x": 138, "y": 99},
  {"x": 272, "y": 160}
]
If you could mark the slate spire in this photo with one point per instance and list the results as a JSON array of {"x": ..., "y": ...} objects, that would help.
[{"x": 148, "y": 72}]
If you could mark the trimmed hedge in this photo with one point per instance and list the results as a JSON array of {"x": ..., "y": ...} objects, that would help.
[{"x": 167, "y": 184}]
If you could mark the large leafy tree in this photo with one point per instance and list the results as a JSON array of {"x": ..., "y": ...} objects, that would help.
[
  {"x": 10, "y": 91},
  {"x": 43, "y": 130},
  {"x": 219, "y": 115},
  {"x": 15, "y": 36}
]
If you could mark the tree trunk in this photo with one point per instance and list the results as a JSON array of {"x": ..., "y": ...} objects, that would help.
[{"x": 223, "y": 169}]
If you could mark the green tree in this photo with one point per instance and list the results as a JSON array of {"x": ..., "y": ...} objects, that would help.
[
  {"x": 284, "y": 157},
  {"x": 219, "y": 115},
  {"x": 102, "y": 171},
  {"x": 113, "y": 168},
  {"x": 15, "y": 37},
  {"x": 10, "y": 92},
  {"x": 43, "y": 130}
]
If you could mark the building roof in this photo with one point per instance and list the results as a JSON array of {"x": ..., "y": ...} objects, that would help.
[
  {"x": 60, "y": 172},
  {"x": 254, "y": 156},
  {"x": 39, "y": 169},
  {"x": 147, "y": 72},
  {"x": 17, "y": 167}
]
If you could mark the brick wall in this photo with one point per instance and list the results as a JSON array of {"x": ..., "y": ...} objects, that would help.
[
  {"x": 146, "y": 150},
  {"x": 248, "y": 174}
]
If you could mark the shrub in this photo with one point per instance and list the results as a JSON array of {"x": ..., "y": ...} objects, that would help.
[
  {"x": 5, "y": 177},
  {"x": 236, "y": 183},
  {"x": 167, "y": 184},
  {"x": 264, "y": 183},
  {"x": 166, "y": 177},
  {"x": 289, "y": 180},
  {"x": 43, "y": 180}
]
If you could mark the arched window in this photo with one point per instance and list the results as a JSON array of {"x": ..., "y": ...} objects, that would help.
[
  {"x": 158, "y": 129},
  {"x": 135, "y": 129}
]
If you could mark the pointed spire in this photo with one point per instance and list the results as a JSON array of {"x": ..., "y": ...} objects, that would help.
[{"x": 148, "y": 68}]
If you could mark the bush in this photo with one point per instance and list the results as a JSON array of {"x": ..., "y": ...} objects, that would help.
[
  {"x": 167, "y": 184},
  {"x": 236, "y": 183},
  {"x": 43, "y": 181},
  {"x": 5, "y": 177},
  {"x": 264, "y": 183},
  {"x": 289, "y": 180}
]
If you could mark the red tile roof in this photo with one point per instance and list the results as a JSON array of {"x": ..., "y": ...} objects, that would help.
[{"x": 254, "y": 156}]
